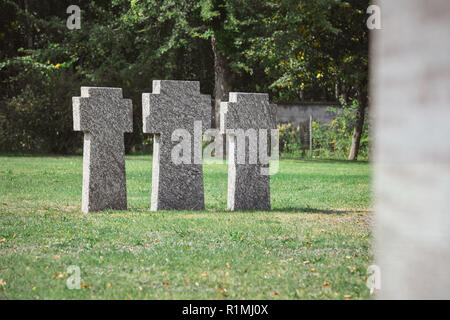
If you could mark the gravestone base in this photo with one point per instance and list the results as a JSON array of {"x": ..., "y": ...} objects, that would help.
[
  {"x": 104, "y": 180},
  {"x": 175, "y": 187},
  {"x": 255, "y": 196}
]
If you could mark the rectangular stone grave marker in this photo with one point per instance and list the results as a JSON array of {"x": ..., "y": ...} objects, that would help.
[
  {"x": 243, "y": 117},
  {"x": 103, "y": 115},
  {"x": 176, "y": 107}
]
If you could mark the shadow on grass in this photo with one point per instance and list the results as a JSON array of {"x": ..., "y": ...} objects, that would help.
[
  {"x": 146, "y": 210},
  {"x": 314, "y": 210},
  {"x": 331, "y": 161},
  {"x": 38, "y": 155}
]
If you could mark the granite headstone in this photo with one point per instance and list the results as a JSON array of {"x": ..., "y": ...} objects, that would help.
[
  {"x": 243, "y": 119},
  {"x": 103, "y": 115},
  {"x": 176, "y": 105}
]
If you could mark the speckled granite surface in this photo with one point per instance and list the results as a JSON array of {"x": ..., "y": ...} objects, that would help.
[
  {"x": 176, "y": 105},
  {"x": 248, "y": 189},
  {"x": 103, "y": 115}
]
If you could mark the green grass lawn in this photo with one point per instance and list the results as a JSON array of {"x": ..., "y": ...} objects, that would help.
[{"x": 314, "y": 244}]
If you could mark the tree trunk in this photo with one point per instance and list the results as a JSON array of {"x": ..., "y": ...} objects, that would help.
[
  {"x": 357, "y": 131},
  {"x": 29, "y": 35},
  {"x": 222, "y": 85}
]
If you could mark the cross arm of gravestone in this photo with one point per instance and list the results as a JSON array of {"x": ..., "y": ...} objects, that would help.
[
  {"x": 247, "y": 111},
  {"x": 101, "y": 109},
  {"x": 175, "y": 105}
]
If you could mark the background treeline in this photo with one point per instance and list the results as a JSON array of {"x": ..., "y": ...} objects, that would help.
[{"x": 294, "y": 50}]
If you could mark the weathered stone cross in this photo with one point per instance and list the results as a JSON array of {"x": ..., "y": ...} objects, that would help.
[
  {"x": 172, "y": 106},
  {"x": 103, "y": 116},
  {"x": 242, "y": 119}
]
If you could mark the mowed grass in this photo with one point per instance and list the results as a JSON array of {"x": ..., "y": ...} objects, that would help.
[{"x": 314, "y": 244}]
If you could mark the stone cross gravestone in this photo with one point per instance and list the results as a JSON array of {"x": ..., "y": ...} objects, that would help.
[
  {"x": 241, "y": 118},
  {"x": 176, "y": 105},
  {"x": 103, "y": 115}
]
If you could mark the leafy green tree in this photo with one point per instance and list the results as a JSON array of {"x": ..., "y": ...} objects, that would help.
[
  {"x": 317, "y": 50},
  {"x": 110, "y": 49},
  {"x": 295, "y": 50},
  {"x": 224, "y": 25},
  {"x": 42, "y": 70}
]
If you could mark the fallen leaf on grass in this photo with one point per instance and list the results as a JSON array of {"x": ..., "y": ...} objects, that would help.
[
  {"x": 3, "y": 240},
  {"x": 228, "y": 265},
  {"x": 204, "y": 274},
  {"x": 2, "y": 282},
  {"x": 347, "y": 297},
  {"x": 326, "y": 284}
]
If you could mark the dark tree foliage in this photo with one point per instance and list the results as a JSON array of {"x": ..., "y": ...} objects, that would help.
[{"x": 295, "y": 50}]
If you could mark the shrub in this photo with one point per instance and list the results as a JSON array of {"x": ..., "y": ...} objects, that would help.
[
  {"x": 330, "y": 140},
  {"x": 290, "y": 142},
  {"x": 333, "y": 140}
]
